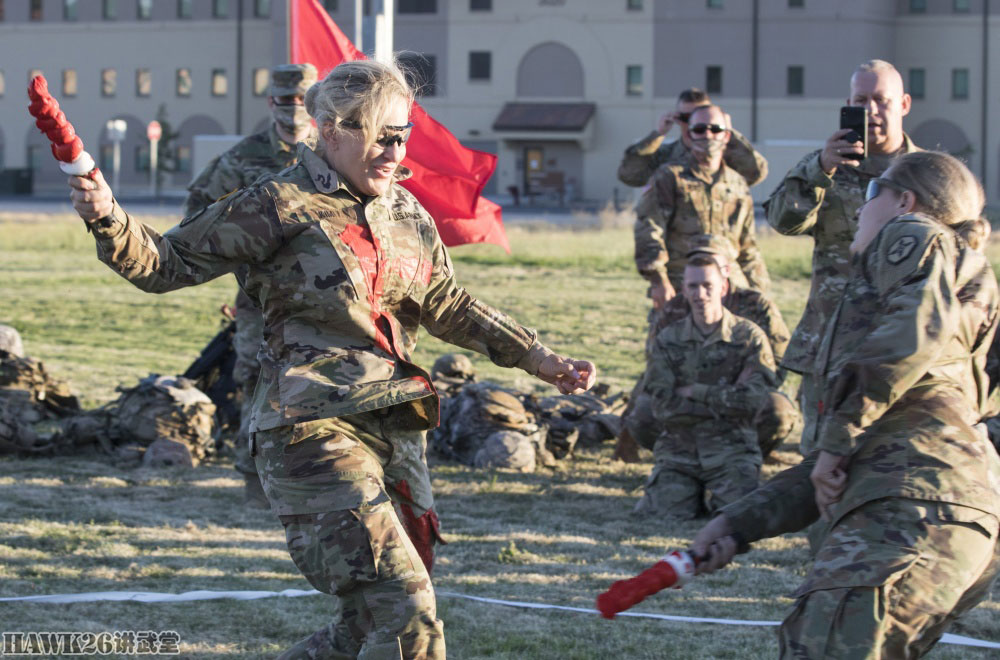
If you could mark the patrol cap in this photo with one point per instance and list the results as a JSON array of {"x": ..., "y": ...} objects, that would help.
[
  {"x": 291, "y": 79},
  {"x": 713, "y": 245}
]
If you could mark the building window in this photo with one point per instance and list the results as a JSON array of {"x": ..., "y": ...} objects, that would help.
[
  {"x": 796, "y": 81},
  {"x": 633, "y": 5},
  {"x": 417, "y": 7},
  {"x": 480, "y": 5},
  {"x": 918, "y": 6},
  {"x": 3, "y": 85},
  {"x": 35, "y": 157},
  {"x": 69, "y": 87},
  {"x": 796, "y": 4},
  {"x": 1, "y": 10},
  {"x": 713, "y": 4},
  {"x": 220, "y": 8},
  {"x": 184, "y": 159},
  {"x": 143, "y": 82},
  {"x": 960, "y": 6},
  {"x": 330, "y": 5},
  {"x": 917, "y": 82},
  {"x": 144, "y": 10},
  {"x": 70, "y": 10},
  {"x": 219, "y": 83},
  {"x": 713, "y": 79},
  {"x": 35, "y": 11},
  {"x": 183, "y": 8},
  {"x": 184, "y": 82},
  {"x": 633, "y": 80},
  {"x": 142, "y": 158},
  {"x": 106, "y": 159},
  {"x": 109, "y": 10},
  {"x": 262, "y": 8},
  {"x": 109, "y": 82},
  {"x": 479, "y": 65},
  {"x": 261, "y": 79},
  {"x": 421, "y": 72},
  {"x": 959, "y": 84}
]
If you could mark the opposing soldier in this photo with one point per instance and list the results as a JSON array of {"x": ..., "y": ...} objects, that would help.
[
  {"x": 267, "y": 152},
  {"x": 904, "y": 479},
  {"x": 686, "y": 201},
  {"x": 348, "y": 267},
  {"x": 777, "y": 416},
  {"x": 708, "y": 374},
  {"x": 820, "y": 197},
  {"x": 646, "y": 156}
]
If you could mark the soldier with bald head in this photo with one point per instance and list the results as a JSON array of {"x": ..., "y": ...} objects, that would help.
[{"x": 820, "y": 197}]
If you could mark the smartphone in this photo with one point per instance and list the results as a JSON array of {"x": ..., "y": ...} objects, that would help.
[{"x": 856, "y": 118}]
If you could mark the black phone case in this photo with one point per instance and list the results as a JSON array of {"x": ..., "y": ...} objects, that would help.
[{"x": 856, "y": 119}]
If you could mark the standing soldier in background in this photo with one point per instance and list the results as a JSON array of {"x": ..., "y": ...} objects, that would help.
[
  {"x": 686, "y": 201},
  {"x": 820, "y": 197},
  {"x": 266, "y": 152},
  {"x": 646, "y": 156}
]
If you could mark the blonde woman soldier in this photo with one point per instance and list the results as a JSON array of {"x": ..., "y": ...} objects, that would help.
[
  {"x": 347, "y": 266},
  {"x": 904, "y": 473}
]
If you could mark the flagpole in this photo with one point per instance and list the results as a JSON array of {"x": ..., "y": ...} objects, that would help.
[
  {"x": 384, "y": 30},
  {"x": 288, "y": 30},
  {"x": 358, "y": 24}
]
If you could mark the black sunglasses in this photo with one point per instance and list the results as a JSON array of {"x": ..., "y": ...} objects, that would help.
[
  {"x": 683, "y": 117},
  {"x": 875, "y": 188},
  {"x": 698, "y": 129},
  {"x": 399, "y": 136}
]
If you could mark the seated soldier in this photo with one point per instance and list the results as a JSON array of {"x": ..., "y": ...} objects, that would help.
[
  {"x": 778, "y": 415},
  {"x": 708, "y": 374},
  {"x": 684, "y": 201}
]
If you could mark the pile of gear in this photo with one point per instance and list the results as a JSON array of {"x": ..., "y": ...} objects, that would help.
[
  {"x": 487, "y": 425},
  {"x": 160, "y": 421}
]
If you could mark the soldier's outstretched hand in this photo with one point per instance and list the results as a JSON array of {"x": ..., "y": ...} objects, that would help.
[
  {"x": 829, "y": 477},
  {"x": 570, "y": 376},
  {"x": 714, "y": 545},
  {"x": 92, "y": 198}
]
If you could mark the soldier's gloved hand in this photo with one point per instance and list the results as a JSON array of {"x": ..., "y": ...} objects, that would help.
[
  {"x": 570, "y": 376},
  {"x": 92, "y": 198},
  {"x": 714, "y": 545},
  {"x": 829, "y": 477},
  {"x": 837, "y": 151}
]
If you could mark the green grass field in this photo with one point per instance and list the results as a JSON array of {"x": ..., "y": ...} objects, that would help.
[{"x": 79, "y": 524}]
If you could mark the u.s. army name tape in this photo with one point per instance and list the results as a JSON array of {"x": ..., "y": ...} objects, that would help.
[{"x": 154, "y": 597}]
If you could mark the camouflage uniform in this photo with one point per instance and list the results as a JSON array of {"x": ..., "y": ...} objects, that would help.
[
  {"x": 345, "y": 282},
  {"x": 682, "y": 204},
  {"x": 706, "y": 441},
  {"x": 913, "y": 537},
  {"x": 808, "y": 201},
  {"x": 642, "y": 159},
  {"x": 257, "y": 155}
]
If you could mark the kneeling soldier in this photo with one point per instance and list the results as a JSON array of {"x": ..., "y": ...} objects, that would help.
[{"x": 708, "y": 374}]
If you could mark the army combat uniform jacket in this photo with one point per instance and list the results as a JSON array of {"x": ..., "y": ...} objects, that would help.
[
  {"x": 904, "y": 365},
  {"x": 681, "y": 205},
  {"x": 811, "y": 202},
  {"x": 249, "y": 159},
  {"x": 647, "y": 155},
  {"x": 731, "y": 371},
  {"x": 344, "y": 282}
]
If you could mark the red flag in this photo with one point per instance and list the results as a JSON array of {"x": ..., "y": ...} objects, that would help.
[{"x": 448, "y": 178}]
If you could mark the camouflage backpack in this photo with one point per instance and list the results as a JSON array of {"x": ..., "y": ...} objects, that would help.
[
  {"x": 10, "y": 341},
  {"x": 584, "y": 418},
  {"x": 49, "y": 397},
  {"x": 161, "y": 414},
  {"x": 451, "y": 372},
  {"x": 17, "y": 436}
]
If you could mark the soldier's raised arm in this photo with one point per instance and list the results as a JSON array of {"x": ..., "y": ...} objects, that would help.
[
  {"x": 744, "y": 159},
  {"x": 644, "y": 157},
  {"x": 793, "y": 206},
  {"x": 654, "y": 213},
  {"x": 749, "y": 258}
]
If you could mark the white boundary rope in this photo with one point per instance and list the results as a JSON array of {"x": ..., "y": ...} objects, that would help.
[{"x": 154, "y": 597}]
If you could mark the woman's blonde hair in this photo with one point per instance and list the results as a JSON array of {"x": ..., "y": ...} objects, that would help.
[
  {"x": 359, "y": 91},
  {"x": 945, "y": 189}
]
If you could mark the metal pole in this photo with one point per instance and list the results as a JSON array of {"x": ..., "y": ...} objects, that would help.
[
  {"x": 984, "y": 156},
  {"x": 239, "y": 67},
  {"x": 359, "y": 37},
  {"x": 383, "y": 30},
  {"x": 154, "y": 148},
  {"x": 755, "y": 47},
  {"x": 116, "y": 161}
]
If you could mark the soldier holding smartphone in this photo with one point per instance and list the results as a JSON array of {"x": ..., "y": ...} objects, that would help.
[{"x": 820, "y": 197}]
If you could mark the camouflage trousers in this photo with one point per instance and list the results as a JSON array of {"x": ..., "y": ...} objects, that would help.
[
  {"x": 810, "y": 393},
  {"x": 326, "y": 480},
  {"x": 678, "y": 490},
  {"x": 774, "y": 420},
  {"x": 889, "y": 579}
]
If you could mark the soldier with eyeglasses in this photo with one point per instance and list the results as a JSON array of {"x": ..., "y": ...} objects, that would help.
[
  {"x": 686, "y": 201},
  {"x": 644, "y": 157}
]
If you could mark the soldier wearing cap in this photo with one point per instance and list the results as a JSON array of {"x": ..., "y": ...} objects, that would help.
[
  {"x": 703, "y": 196},
  {"x": 777, "y": 416},
  {"x": 708, "y": 375},
  {"x": 267, "y": 152}
]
